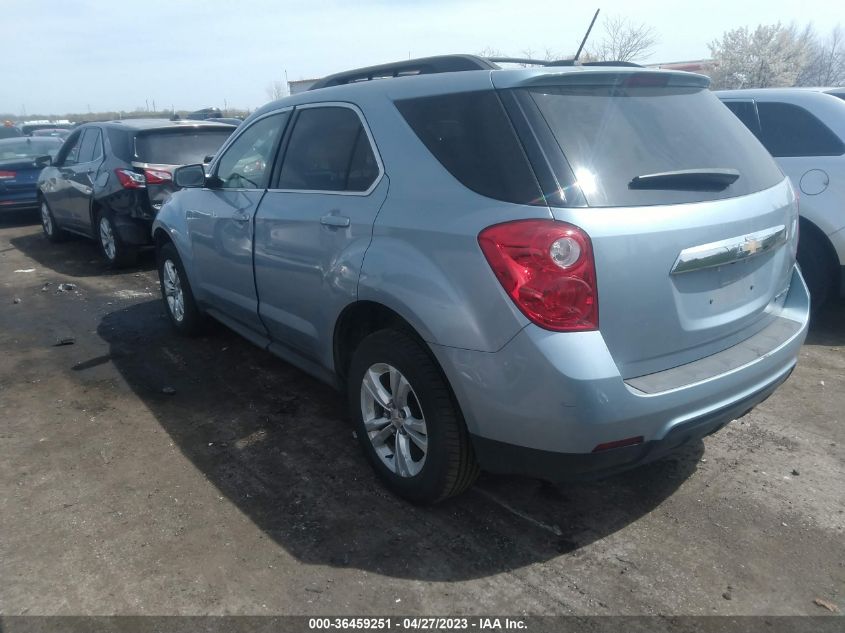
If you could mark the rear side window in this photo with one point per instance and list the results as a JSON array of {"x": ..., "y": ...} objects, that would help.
[
  {"x": 179, "y": 147},
  {"x": 471, "y": 136},
  {"x": 790, "y": 130},
  {"x": 120, "y": 142},
  {"x": 91, "y": 147},
  {"x": 746, "y": 112},
  {"x": 612, "y": 134},
  {"x": 328, "y": 151}
]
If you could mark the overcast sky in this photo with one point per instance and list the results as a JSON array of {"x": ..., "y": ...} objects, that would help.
[{"x": 61, "y": 56}]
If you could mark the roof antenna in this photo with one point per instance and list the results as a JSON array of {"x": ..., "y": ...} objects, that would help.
[{"x": 586, "y": 35}]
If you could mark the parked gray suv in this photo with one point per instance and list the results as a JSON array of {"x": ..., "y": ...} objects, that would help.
[{"x": 563, "y": 271}]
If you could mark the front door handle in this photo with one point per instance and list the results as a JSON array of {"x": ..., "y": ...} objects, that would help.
[{"x": 335, "y": 220}]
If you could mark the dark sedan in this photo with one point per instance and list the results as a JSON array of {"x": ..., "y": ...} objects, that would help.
[{"x": 19, "y": 169}]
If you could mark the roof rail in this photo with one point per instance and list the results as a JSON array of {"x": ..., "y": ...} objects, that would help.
[{"x": 443, "y": 64}]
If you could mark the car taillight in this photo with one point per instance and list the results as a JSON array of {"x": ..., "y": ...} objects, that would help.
[
  {"x": 7, "y": 175},
  {"x": 157, "y": 176},
  {"x": 129, "y": 179},
  {"x": 547, "y": 268}
]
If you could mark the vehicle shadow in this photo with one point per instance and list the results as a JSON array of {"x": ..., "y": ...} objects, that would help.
[
  {"x": 12, "y": 219},
  {"x": 827, "y": 328},
  {"x": 76, "y": 256},
  {"x": 277, "y": 443}
]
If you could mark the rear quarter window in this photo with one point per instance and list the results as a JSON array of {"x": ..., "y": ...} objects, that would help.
[
  {"x": 472, "y": 137},
  {"x": 179, "y": 147}
]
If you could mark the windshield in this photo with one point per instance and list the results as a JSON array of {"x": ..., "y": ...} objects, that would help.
[
  {"x": 611, "y": 135},
  {"x": 24, "y": 148},
  {"x": 179, "y": 147}
]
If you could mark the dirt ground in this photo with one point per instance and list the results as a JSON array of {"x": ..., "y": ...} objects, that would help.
[{"x": 244, "y": 492}]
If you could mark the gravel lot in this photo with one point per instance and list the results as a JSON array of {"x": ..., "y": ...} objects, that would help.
[{"x": 243, "y": 491}]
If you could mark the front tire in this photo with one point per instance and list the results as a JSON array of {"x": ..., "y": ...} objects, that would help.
[
  {"x": 48, "y": 224},
  {"x": 116, "y": 252},
  {"x": 176, "y": 293},
  {"x": 407, "y": 421}
]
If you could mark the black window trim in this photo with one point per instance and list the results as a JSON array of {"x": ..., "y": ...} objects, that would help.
[
  {"x": 212, "y": 168},
  {"x": 292, "y": 126},
  {"x": 753, "y": 102}
]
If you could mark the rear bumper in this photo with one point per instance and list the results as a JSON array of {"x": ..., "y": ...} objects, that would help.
[
  {"x": 19, "y": 201},
  {"x": 133, "y": 231},
  {"x": 544, "y": 402}
]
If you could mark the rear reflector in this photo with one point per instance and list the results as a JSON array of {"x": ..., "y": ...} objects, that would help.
[
  {"x": 129, "y": 179},
  {"x": 157, "y": 176},
  {"x": 7, "y": 175},
  {"x": 631, "y": 441}
]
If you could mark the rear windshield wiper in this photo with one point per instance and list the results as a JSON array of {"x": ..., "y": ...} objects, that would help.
[{"x": 706, "y": 179}]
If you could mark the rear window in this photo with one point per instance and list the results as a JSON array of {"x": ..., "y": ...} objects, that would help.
[
  {"x": 179, "y": 147},
  {"x": 471, "y": 136},
  {"x": 612, "y": 134}
]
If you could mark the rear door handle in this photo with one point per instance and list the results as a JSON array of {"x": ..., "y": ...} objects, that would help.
[
  {"x": 241, "y": 218},
  {"x": 335, "y": 220}
]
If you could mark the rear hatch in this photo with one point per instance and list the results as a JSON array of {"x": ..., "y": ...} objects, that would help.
[
  {"x": 693, "y": 225},
  {"x": 18, "y": 171},
  {"x": 161, "y": 150}
]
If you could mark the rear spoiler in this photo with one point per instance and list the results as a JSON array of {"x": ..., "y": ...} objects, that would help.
[{"x": 603, "y": 76}]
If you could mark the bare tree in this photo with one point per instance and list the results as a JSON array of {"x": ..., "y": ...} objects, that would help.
[
  {"x": 489, "y": 51},
  {"x": 276, "y": 90},
  {"x": 826, "y": 63},
  {"x": 769, "y": 56},
  {"x": 623, "y": 41}
]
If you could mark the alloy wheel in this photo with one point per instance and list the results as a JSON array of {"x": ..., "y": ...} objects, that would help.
[
  {"x": 46, "y": 220},
  {"x": 107, "y": 239},
  {"x": 173, "y": 290},
  {"x": 394, "y": 420}
]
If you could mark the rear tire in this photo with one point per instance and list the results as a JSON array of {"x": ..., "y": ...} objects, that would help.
[
  {"x": 818, "y": 265},
  {"x": 48, "y": 224},
  {"x": 414, "y": 437},
  {"x": 179, "y": 302},
  {"x": 116, "y": 252}
]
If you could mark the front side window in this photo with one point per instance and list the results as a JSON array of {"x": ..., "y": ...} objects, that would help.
[
  {"x": 790, "y": 130},
  {"x": 329, "y": 150},
  {"x": 246, "y": 162}
]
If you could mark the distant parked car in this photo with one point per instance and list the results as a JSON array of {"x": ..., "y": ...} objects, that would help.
[
  {"x": 29, "y": 128},
  {"x": 19, "y": 169},
  {"x": 56, "y": 132},
  {"x": 804, "y": 129},
  {"x": 110, "y": 179},
  {"x": 9, "y": 130},
  {"x": 544, "y": 271}
]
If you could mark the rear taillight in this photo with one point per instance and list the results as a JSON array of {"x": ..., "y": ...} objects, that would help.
[
  {"x": 7, "y": 175},
  {"x": 157, "y": 176},
  {"x": 130, "y": 179},
  {"x": 548, "y": 269}
]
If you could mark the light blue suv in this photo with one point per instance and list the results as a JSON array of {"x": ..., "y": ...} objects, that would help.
[{"x": 563, "y": 271}]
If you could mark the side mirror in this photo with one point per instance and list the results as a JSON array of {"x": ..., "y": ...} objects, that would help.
[
  {"x": 189, "y": 176},
  {"x": 43, "y": 161}
]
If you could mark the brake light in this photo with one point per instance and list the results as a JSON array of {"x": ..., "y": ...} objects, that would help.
[
  {"x": 7, "y": 175},
  {"x": 157, "y": 176},
  {"x": 130, "y": 179},
  {"x": 547, "y": 269},
  {"x": 646, "y": 80},
  {"x": 630, "y": 441}
]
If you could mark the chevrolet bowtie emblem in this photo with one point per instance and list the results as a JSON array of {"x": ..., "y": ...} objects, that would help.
[{"x": 750, "y": 246}]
